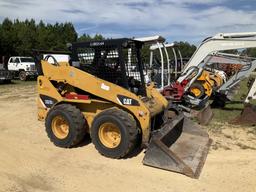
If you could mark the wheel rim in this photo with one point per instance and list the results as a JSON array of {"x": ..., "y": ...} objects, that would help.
[
  {"x": 22, "y": 76},
  {"x": 109, "y": 135},
  {"x": 196, "y": 92},
  {"x": 60, "y": 127}
]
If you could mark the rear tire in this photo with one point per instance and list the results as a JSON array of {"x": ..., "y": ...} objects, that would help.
[
  {"x": 22, "y": 76},
  {"x": 58, "y": 119},
  {"x": 124, "y": 132}
]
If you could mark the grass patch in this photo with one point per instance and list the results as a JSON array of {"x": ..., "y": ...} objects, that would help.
[
  {"x": 234, "y": 108},
  {"x": 231, "y": 110}
]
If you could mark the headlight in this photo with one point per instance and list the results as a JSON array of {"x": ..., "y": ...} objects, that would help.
[{"x": 27, "y": 67}]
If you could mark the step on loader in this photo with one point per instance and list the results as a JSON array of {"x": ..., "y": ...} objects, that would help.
[{"x": 102, "y": 91}]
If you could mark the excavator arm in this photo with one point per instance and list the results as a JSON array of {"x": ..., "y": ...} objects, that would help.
[{"x": 219, "y": 42}]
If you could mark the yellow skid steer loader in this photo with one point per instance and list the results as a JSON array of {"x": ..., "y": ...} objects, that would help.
[{"x": 102, "y": 91}]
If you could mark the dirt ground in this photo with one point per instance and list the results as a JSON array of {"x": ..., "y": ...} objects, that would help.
[{"x": 29, "y": 162}]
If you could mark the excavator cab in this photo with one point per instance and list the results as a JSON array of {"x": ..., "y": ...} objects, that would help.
[{"x": 102, "y": 91}]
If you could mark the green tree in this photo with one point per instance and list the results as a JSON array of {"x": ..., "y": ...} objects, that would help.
[
  {"x": 185, "y": 48},
  {"x": 98, "y": 37},
  {"x": 20, "y": 37},
  {"x": 250, "y": 52},
  {"x": 87, "y": 37},
  {"x": 26, "y": 36},
  {"x": 7, "y": 38},
  {"x": 84, "y": 37}
]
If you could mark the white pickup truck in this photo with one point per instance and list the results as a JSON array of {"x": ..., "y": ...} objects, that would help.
[{"x": 22, "y": 67}]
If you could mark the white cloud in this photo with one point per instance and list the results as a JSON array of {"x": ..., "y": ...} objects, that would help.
[{"x": 170, "y": 18}]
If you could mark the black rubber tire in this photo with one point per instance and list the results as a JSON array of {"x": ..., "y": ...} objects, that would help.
[
  {"x": 127, "y": 126},
  {"x": 22, "y": 76},
  {"x": 76, "y": 121},
  {"x": 199, "y": 86},
  {"x": 7, "y": 81}
]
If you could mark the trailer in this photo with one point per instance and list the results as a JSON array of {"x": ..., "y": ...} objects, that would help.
[{"x": 5, "y": 74}]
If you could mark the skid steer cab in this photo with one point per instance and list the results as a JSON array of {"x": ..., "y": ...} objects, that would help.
[{"x": 102, "y": 92}]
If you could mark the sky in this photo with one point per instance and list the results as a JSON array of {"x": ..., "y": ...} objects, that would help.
[{"x": 176, "y": 20}]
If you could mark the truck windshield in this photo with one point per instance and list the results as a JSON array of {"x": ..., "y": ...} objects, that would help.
[{"x": 27, "y": 59}]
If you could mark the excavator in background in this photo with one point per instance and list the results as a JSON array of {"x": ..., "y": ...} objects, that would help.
[
  {"x": 202, "y": 81},
  {"x": 164, "y": 73},
  {"x": 96, "y": 92},
  {"x": 236, "y": 68},
  {"x": 233, "y": 68},
  {"x": 196, "y": 69},
  {"x": 241, "y": 67}
]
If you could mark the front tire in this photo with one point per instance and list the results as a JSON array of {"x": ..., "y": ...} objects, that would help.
[
  {"x": 22, "y": 76},
  {"x": 114, "y": 133},
  {"x": 65, "y": 125}
]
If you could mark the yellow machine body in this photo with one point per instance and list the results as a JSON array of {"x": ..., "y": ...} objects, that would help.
[
  {"x": 106, "y": 91},
  {"x": 104, "y": 97},
  {"x": 209, "y": 81}
]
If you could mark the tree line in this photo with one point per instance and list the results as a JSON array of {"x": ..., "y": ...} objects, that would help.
[{"x": 20, "y": 37}]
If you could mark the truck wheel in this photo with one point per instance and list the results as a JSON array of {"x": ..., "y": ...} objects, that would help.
[
  {"x": 114, "y": 133},
  {"x": 65, "y": 125},
  {"x": 22, "y": 76},
  {"x": 7, "y": 81}
]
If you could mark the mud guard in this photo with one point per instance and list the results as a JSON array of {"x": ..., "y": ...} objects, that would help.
[{"x": 179, "y": 146}]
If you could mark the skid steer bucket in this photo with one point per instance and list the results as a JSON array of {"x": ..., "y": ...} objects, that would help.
[
  {"x": 247, "y": 116},
  {"x": 179, "y": 146}
]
